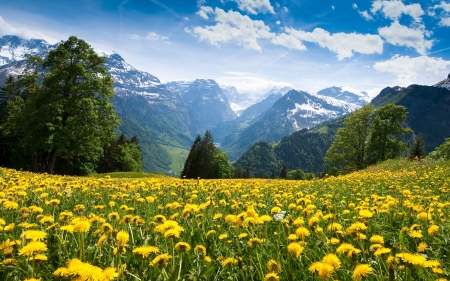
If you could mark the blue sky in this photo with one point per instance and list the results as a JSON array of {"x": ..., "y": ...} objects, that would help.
[{"x": 255, "y": 44}]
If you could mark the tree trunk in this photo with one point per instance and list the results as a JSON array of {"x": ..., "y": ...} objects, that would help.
[{"x": 44, "y": 164}]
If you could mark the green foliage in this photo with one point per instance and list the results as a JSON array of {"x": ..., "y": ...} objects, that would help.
[
  {"x": 283, "y": 172},
  {"x": 222, "y": 169},
  {"x": 442, "y": 152},
  {"x": 362, "y": 141},
  {"x": 417, "y": 149},
  {"x": 386, "y": 126},
  {"x": 347, "y": 152},
  {"x": 206, "y": 161},
  {"x": 121, "y": 155},
  {"x": 260, "y": 158},
  {"x": 296, "y": 175},
  {"x": 66, "y": 116}
]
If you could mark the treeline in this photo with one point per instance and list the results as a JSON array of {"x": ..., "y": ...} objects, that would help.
[{"x": 56, "y": 116}]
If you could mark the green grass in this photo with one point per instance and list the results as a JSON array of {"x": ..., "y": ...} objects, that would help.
[{"x": 178, "y": 155}]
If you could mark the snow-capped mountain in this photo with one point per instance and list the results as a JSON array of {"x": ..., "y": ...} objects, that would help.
[
  {"x": 205, "y": 100},
  {"x": 444, "y": 83},
  {"x": 346, "y": 94},
  {"x": 13, "y": 48},
  {"x": 238, "y": 101},
  {"x": 294, "y": 111}
]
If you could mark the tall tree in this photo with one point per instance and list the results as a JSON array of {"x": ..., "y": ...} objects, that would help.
[
  {"x": 386, "y": 128},
  {"x": 417, "y": 149},
  {"x": 67, "y": 115},
  {"x": 283, "y": 172},
  {"x": 190, "y": 169},
  {"x": 347, "y": 153}
]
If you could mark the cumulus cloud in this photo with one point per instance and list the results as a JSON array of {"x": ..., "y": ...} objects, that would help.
[
  {"x": 7, "y": 29},
  {"x": 151, "y": 36},
  {"x": 445, "y": 16},
  {"x": 400, "y": 35},
  {"x": 343, "y": 44},
  {"x": 395, "y": 8},
  {"x": 252, "y": 85},
  {"x": 232, "y": 26},
  {"x": 204, "y": 12},
  {"x": 255, "y": 6},
  {"x": 420, "y": 70}
]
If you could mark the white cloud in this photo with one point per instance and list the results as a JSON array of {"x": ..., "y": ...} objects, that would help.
[
  {"x": 285, "y": 9},
  {"x": 255, "y": 6},
  {"x": 151, "y": 36},
  {"x": 332, "y": 7},
  {"x": 445, "y": 20},
  {"x": 365, "y": 15},
  {"x": 232, "y": 26},
  {"x": 278, "y": 22},
  {"x": 400, "y": 35},
  {"x": 355, "y": 6},
  {"x": 7, "y": 29},
  {"x": 252, "y": 85},
  {"x": 204, "y": 11},
  {"x": 343, "y": 44},
  {"x": 420, "y": 70},
  {"x": 395, "y": 8},
  {"x": 444, "y": 6}
]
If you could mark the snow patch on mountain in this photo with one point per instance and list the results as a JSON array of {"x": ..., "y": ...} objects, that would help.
[{"x": 444, "y": 83}]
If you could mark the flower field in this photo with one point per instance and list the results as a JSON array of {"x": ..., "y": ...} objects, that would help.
[{"x": 388, "y": 222}]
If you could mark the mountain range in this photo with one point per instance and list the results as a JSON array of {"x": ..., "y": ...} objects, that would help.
[
  {"x": 428, "y": 110},
  {"x": 166, "y": 117}
]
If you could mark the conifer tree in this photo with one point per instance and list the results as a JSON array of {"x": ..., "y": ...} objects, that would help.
[
  {"x": 417, "y": 149},
  {"x": 283, "y": 172}
]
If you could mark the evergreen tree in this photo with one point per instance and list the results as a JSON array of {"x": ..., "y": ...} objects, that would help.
[
  {"x": 237, "y": 172},
  {"x": 192, "y": 161},
  {"x": 121, "y": 155},
  {"x": 417, "y": 149},
  {"x": 347, "y": 152},
  {"x": 247, "y": 174},
  {"x": 273, "y": 175},
  {"x": 283, "y": 172},
  {"x": 386, "y": 126},
  {"x": 206, "y": 152},
  {"x": 206, "y": 161}
]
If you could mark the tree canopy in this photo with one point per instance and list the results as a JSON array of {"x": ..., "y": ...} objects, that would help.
[
  {"x": 368, "y": 136},
  {"x": 206, "y": 161},
  {"x": 63, "y": 113}
]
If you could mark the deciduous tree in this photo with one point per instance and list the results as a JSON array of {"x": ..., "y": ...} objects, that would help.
[{"x": 67, "y": 115}]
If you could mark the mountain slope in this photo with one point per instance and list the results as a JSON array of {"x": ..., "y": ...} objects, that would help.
[
  {"x": 428, "y": 114},
  {"x": 205, "y": 100},
  {"x": 296, "y": 110}
]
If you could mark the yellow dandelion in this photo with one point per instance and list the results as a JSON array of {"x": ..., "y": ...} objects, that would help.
[
  {"x": 432, "y": 230},
  {"x": 161, "y": 260},
  {"x": 323, "y": 270},
  {"x": 422, "y": 247},
  {"x": 82, "y": 226},
  {"x": 273, "y": 266},
  {"x": 200, "y": 249},
  {"x": 145, "y": 251},
  {"x": 182, "y": 247},
  {"x": 229, "y": 261},
  {"x": 32, "y": 248},
  {"x": 295, "y": 249},
  {"x": 361, "y": 270},
  {"x": 332, "y": 260},
  {"x": 271, "y": 277},
  {"x": 377, "y": 239},
  {"x": 34, "y": 235}
]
